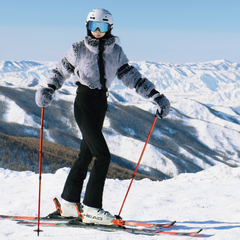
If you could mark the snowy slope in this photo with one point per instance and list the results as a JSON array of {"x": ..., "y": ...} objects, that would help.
[
  {"x": 208, "y": 199},
  {"x": 201, "y": 130}
]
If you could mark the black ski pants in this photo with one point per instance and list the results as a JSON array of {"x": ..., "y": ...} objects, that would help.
[{"x": 89, "y": 110}]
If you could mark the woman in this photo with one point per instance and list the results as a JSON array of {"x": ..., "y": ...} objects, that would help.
[{"x": 94, "y": 63}]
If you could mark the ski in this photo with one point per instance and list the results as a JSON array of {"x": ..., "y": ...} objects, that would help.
[
  {"x": 123, "y": 223},
  {"x": 19, "y": 218},
  {"x": 56, "y": 219},
  {"x": 113, "y": 228},
  {"x": 149, "y": 225},
  {"x": 59, "y": 218},
  {"x": 56, "y": 215}
]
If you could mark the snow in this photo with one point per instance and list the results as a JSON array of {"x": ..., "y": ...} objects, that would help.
[
  {"x": 204, "y": 96},
  {"x": 17, "y": 115},
  {"x": 208, "y": 199}
]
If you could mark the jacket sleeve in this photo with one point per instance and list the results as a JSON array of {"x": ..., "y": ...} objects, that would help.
[
  {"x": 64, "y": 68},
  {"x": 132, "y": 78}
]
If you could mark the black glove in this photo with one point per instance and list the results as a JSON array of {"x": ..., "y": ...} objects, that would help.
[
  {"x": 44, "y": 96},
  {"x": 163, "y": 105}
]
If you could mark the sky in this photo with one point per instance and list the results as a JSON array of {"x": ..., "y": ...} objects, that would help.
[{"x": 176, "y": 31}]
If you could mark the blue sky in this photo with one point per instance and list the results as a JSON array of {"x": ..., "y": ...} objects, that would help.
[{"x": 176, "y": 31}]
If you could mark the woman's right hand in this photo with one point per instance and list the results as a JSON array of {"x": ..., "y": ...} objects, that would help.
[{"x": 44, "y": 96}]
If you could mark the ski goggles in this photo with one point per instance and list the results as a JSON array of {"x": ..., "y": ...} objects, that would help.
[{"x": 102, "y": 26}]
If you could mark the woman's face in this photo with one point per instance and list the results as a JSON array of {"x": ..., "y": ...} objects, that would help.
[{"x": 97, "y": 33}]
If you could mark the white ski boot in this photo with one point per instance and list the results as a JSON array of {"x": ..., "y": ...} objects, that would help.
[
  {"x": 68, "y": 209},
  {"x": 97, "y": 216}
]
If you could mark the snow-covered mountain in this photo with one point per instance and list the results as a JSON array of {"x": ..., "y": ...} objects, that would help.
[{"x": 201, "y": 130}]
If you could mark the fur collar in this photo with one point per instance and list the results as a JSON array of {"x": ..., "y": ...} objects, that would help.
[{"x": 92, "y": 44}]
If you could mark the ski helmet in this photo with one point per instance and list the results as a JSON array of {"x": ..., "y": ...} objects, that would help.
[{"x": 100, "y": 15}]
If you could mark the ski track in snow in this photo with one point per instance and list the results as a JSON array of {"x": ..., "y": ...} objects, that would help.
[{"x": 208, "y": 199}]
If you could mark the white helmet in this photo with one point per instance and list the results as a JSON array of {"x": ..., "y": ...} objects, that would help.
[{"x": 100, "y": 15}]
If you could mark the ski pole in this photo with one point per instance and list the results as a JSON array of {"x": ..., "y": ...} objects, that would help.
[
  {"x": 40, "y": 171},
  {"x": 155, "y": 119}
]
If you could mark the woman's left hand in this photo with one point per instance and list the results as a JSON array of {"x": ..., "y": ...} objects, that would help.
[{"x": 163, "y": 106}]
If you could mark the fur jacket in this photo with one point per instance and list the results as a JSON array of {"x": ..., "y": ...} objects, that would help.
[{"x": 81, "y": 61}]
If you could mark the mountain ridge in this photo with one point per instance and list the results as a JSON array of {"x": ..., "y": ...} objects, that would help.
[{"x": 201, "y": 130}]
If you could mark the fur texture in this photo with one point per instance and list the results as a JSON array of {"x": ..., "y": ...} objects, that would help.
[
  {"x": 163, "y": 105},
  {"x": 82, "y": 61},
  {"x": 44, "y": 97}
]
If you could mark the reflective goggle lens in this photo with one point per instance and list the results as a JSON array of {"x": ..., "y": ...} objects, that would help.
[{"x": 103, "y": 27}]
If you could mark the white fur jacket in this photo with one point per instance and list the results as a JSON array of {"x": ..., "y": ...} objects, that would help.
[{"x": 82, "y": 61}]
